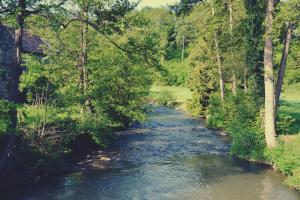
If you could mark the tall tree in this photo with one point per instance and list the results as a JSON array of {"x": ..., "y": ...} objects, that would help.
[
  {"x": 21, "y": 9},
  {"x": 184, "y": 7},
  {"x": 218, "y": 54},
  {"x": 270, "y": 132},
  {"x": 253, "y": 34},
  {"x": 83, "y": 70},
  {"x": 283, "y": 62},
  {"x": 234, "y": 77},
  {"x": 288, "y": 17}
]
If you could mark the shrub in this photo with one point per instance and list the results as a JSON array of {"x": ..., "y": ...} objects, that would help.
[
  {"x": 240, "y": 117},
  {"x": 283, "y": 123},
  {"x": 98, "y": 129},
  {"x": 286, "y": 158},
  {"x": 294, "y": 181},
  {"x": 202, "y": 84},
  {"x": 195, "y": 107},
  {"x": 177, "y": 73},
  {"x": 164, "y": 98},
  {"x": 5, "y": 109}
]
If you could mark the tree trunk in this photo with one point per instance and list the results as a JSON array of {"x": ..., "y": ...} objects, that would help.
[
  {"x": 82, "y": 59},
  {"x": 220, "y": 68},
  {"x": 84, "y": 74},
  {"x": 219, "y": 61},
  {"x": 13, "y": 88},
  {"x": 234, "y": 77},
  {"x": 270, "y": 132},
  {"x": 245, "y": 80},
  {"x": 234, "y": 83},
  {"x": 284, "y": 57},
  {"x": 182, "y": 49},
  {"x": 14, "y": 93}
]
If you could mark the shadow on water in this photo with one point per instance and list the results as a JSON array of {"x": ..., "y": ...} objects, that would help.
[{"x": 171, "y": 156}]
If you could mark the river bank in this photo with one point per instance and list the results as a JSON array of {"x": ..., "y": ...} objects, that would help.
[
  {"x": 284, "y": 159},
  {"x": 170, "y": 156}
]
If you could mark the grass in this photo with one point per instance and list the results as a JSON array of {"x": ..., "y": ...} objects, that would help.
[
  {"x": 179, "y": 94},
  {"x": 286, "y": 157},
  {"x": 174, "y": 96},
  {"x": 290, "y": 105},
  {"x": 292, "y": 93}
]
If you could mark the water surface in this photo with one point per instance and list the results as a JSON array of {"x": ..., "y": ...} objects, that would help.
[{"x": 170, "y": 157}]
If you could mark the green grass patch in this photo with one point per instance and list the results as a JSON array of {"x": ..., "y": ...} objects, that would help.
[
  {"x": 292, "y": 93},
  {"x": 178, "y": 94},
  {"x": 290, "y": 105},
  {"x": 286, "y": 158}
]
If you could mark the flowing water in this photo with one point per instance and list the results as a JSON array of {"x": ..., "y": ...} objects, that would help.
[{"x": 170, "y": 157}]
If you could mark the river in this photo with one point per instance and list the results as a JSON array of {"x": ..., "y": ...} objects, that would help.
[{"x": 170, "y": 157}]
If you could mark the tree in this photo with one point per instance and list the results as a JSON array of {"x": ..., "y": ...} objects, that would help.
[
  {"x": 253, "y": 30},
  {"x": 234, "y": 78},
  {"x": 21, "y": 9},
  {"x": 218, "y": 54},
  {"x": 183, "y": 7},
  {"x": 288, "y": 18},
  {"x": 283, "y": 62},
  {"x": 270, "y": 132}
]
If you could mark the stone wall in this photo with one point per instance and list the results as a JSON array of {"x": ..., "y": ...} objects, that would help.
[{"x": 7, "y": 57}]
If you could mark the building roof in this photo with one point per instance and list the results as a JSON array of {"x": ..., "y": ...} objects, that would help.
[{"x": 30, "y": 43}]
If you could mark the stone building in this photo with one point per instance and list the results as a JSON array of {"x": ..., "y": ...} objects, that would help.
[
  {"x": 31, "y": 44},
  {"x": 7, "y": 59}
]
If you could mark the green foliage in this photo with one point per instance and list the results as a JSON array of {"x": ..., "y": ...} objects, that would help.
[
  {"x": 39, "y": 160},
  {"x": 253, "y": 32},
  {"x": 202, "y": 83},
  {"x": 36, "y": 81},
  {"x": 290, "y": 106},
  {"x": 178, "y": 74},
  {"x": 287, "y": 15},
  {"x": 286, "y": 158},
  {"x": 74, "y": 93},
  {"x": 5, "y": 111},
  {"x": 120, "y": 88},
  {"x": 164, "y": 98},
  {"x": 178, "y": 94},
  {"x": 283, "y": 123},
  {"x": 239, "y": 116},
  {"x": 183, "y": 7},
  {"x": 98, "y": 128},
  {"x": 294, "y": 181}
]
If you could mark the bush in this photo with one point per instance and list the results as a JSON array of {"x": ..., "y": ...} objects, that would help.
[
  {"x": 164, "y": 98},
  {"x": 286, "y": 158},
  {"x": 294, "y": 181},
  {"x": 5, "y": 109},
  {"x": 202, "y": 84},
  {"x": 120, "y": 89},
  {"x": 248, "y": 142},
  {"x": 98, "y": 129},
  {"x": 195, "y": 107},
  {"x": 177, "y": 74},
  {"x": 283, "y": 123},
  {"x": 240, "y": 117},
  {"x": 216, "y": 113}
]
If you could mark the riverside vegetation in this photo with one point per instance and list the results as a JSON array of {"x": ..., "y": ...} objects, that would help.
[{"x": 100, "y": 59}]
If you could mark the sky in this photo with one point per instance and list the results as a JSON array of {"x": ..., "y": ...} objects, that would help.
[{"x": 156, "y": 3}]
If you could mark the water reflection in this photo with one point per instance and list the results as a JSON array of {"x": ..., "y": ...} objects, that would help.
[{"x": 171, "y": 157}]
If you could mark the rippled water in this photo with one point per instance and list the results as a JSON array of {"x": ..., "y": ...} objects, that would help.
[{"x": 171, "y": 157}]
